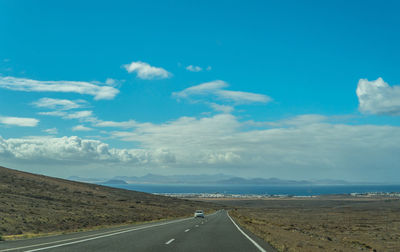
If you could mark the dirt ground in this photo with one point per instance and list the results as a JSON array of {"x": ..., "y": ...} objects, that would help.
[
  {"x": 326, "y": 223},
  {"x": 33, "y": 205}
]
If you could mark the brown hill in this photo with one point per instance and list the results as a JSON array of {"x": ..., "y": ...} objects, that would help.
[{"x": 31, "y": 203}]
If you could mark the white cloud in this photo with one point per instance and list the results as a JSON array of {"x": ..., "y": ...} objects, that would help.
[
  {"x": 208, "y": 68},
  {"x": 307, "y": 149},
  {"x": 126, "y": 124},
  {"x": 377, "y": 97},
  {"x": 59, "y": 104},
  {"x": 207, "y": 126},
  {"x": 62, "y": 107},
  {"x": 215, "y": 89},
  {"x": 75, "y": 151},
  {"x": 221, "y": 108},
  {"x": 113, "y": 82},
  {"x": 79, "y": 114},
  {"x": 243, "y": 97},
  {"x": 192, "y": 68},
  {"x": 300, "y": 120},
  {"x": 54, "y": 113},
  {"x": 84, "y": 114},
  {"x": 206, "y": 88},
  {"x": 61, "y": 149},
  {"x": 21, "y": 84},
  {"x": 147, "y": 72},
  {"x": 19, "y": 121},
  {"x": 81, "y": 128},
  {"x": 110, "y": 81},
  {"x": 52, "y": 131}
]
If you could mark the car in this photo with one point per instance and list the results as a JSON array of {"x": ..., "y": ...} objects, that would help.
[{"x": 199, "y": 213}]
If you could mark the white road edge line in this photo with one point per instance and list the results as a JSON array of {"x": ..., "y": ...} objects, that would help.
[
  {"x": 76, "y": 238},
  {"x": 168, "y": 242},
  {"x": 245, "y": 235},
  {"x": 94, "y": 238},
  {"x": 70, "y": 239},
  {"x": 187, "y": 230}
]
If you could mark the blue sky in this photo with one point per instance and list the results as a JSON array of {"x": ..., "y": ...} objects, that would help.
[{"x": 262, "y": 88}]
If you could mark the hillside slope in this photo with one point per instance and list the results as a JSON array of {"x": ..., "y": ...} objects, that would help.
[{"x": 31, "y": 203}]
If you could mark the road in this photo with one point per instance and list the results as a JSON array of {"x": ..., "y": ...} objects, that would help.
[{"x": 216, "y": 232}]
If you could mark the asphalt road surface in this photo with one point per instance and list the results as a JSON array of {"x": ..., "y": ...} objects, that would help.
[{"x": 216, "y": 232}]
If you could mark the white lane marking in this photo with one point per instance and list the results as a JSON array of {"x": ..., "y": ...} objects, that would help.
[
  {"x": 102, "y": 235},
  {"x": 70, "y": 239},
  {"x": 76, "y": 238},
  {"x": 245, "y": 235},
  {"x": 168, "y": 242},
  {"x": 187, "y": 230}
]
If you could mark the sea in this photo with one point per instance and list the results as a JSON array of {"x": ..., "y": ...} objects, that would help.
[{"x": 304, "y": 190}]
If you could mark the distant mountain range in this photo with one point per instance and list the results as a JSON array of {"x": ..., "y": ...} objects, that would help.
[
  {"x": 220, "y": 179},
  {"x": 115, "y": 182}
]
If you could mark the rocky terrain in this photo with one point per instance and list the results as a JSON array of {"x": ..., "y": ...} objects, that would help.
[
  {"x": 33, "y": 204},
  {"x": 326, "y": 223}
]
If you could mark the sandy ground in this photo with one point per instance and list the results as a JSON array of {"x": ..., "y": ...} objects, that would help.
[{"x": 326, "y": 223}]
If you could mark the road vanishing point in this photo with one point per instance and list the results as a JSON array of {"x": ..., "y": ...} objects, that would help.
[{"x": 215, "y": 232}]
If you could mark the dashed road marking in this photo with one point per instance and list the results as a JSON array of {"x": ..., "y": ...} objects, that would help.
[
  {"x": 75, "y": 240},
  {"x": 98, "y": 236},
  {"x": 168, "y": 242}
]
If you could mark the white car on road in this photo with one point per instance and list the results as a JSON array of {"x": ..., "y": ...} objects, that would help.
[{"x": 199, "y": 213}]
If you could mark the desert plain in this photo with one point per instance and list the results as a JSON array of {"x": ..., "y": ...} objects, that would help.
[{"x": 323, "y": 223}]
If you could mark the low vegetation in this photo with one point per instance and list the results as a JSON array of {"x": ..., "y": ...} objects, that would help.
[
  {"x": 329, "y": 223},
  {"x": 33, "y": 204}
]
